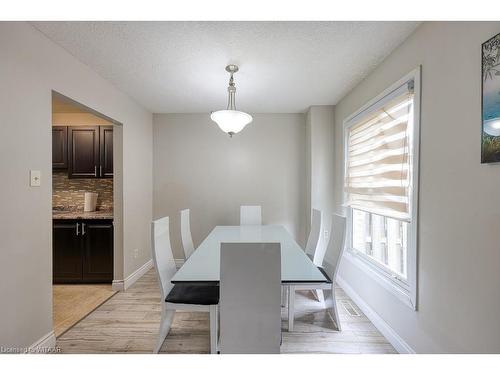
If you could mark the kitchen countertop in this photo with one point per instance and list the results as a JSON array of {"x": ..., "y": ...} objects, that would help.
[{"x": 81, "y": 215}]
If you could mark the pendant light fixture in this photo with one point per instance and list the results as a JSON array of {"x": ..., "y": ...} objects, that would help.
[{"x": 230, "y": 120}]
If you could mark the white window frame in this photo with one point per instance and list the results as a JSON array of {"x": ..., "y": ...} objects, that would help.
[{"x": 405, "y": 290}]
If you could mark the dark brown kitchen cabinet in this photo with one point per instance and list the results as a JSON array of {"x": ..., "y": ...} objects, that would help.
[
  {"x": 59, "y": 147},
  {"x": 98, "y": 251},
  {"x": 83, "y": 151},
  {"x": 82, "y": 251},
  {"x": 90, "y": 151},
  {"x": 106, "y": 151},
  {"x": 67, "y": 258}
]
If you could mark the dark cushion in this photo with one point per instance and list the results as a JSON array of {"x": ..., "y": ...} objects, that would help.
[
  {"x": 194, "y": 294},
  {"x": 322, "y": 270}
]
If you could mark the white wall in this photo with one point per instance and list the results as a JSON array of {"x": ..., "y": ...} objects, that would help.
[
  {"x": 199, "y": 167},
  {"x": 320, "y": 167},
  {"x": 30, "y": 67},
  {"x": 459, "y": 210}
]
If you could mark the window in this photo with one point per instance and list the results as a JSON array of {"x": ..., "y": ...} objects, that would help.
[
  {"x": 381, "y": 181},
  {"x": 384, "y": 240}
]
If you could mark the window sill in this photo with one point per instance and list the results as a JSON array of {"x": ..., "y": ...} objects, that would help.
[{"x": 381, "y": 278}]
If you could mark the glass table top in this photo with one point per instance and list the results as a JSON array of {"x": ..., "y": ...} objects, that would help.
[{"x": 204, "y": 264}]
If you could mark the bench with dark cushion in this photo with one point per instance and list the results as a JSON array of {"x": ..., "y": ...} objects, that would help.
[{"x": 194, "y": 294}]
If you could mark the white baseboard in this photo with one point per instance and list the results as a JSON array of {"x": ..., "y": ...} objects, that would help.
[
  {"x": 121, "y": 285},
  {"x": 399, "y": 344},
  {"x": 137, "y": 274},
  {"x": 117, "y": 285},
  {"x": 179, "y": 262},
  {"x": 48, "y": 341}
]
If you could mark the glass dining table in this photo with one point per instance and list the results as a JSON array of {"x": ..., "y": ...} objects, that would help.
[{"x": 203, "y": 266}]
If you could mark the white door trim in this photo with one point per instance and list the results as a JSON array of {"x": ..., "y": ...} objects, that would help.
[{"x": 45, "y": 344}]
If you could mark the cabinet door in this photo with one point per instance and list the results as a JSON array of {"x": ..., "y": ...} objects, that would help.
[
  {"x": 59, "y": 147},
  {"x": 106, "y": 151},
  {"x": 83, "y": 150},
  {"x": 67, "y": 261},
  {"x": 98, "y": 251}
]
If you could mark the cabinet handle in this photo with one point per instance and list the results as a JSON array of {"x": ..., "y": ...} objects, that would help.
[
  {"x": 77, "y": 228},
  {"x": 100, "y": 170},
  {"x": 95, "y": 170},
  {"x": 83, "y": 229}
]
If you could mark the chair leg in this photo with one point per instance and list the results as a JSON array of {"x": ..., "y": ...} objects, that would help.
[
  {"x": 318, "y": 294},
  {"x": 213, "y": 329},
  {"x": 284, "y": 296},
  {"x": 331, "y": 304},
  {"x": 291, "y": 306},
  {"x": 336, "y": 312},
  {"x": 167, "y": 316}
]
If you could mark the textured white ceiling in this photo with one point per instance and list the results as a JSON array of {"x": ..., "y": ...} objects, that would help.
[{"x": 179, "y": 66}]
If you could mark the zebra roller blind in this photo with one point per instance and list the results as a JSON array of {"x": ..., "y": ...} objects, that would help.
[{"x": 378, "y": 176}]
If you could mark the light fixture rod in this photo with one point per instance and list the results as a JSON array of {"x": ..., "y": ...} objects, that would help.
[
  {"x": 231, "y": 100},
  {"x": 231, "y": 89}
]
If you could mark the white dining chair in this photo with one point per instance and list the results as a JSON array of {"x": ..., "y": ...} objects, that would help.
[
  {"x": 314, "y": 233},
  {"x": 312, "y": 246},
  {"x": 250, "y": 215},
  {"x": 250, "y": 287},
  {"x": 329, "y": 269},
  {"x": 187, "y": 239},
  {"x": 179, "y": 297},
  {"x": 310, "y": 250}
]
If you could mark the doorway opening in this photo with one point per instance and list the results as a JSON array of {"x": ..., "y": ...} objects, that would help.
[{"x": 86, "y": 210}]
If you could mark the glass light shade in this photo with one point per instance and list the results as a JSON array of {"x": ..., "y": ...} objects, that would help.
[
  {"x": 492, "y": 127},
  {"x": 231, "y": 121}
]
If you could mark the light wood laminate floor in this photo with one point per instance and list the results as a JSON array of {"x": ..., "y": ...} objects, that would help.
[
  {"x": 128, "y": 323},
  {"x": 72, "y": 302}
]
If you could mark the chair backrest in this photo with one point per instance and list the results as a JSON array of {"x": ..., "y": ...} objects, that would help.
[
  {"x": 187, "y": 239},
  {"x": 250, "y": 215},
  {"x": 335, "y": 246},
  {"x": 313, "y": 239},
  {"x": 250, "y": 298},
  {"x": 162, "y": 254}
]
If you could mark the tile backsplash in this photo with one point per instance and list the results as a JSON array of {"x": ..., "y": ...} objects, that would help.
[{"x": 69, "y": 193}]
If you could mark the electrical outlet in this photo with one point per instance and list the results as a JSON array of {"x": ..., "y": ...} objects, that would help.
[
  {"x": 326, "y": 234},
  {"x": 35, "y": 178},
  {"x": 136, "y": 253}
]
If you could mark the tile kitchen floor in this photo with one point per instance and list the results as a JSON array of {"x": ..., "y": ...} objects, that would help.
[{"x": 72, "y": 302}]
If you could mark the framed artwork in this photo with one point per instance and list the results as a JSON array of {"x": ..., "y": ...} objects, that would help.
[{"x": 490, "y": 136}]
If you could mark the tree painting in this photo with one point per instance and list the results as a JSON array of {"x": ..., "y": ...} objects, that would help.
[{"x": 490, "y": 146}]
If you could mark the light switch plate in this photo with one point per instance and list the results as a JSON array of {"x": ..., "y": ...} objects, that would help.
[{"x": 35, "y": 178}]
